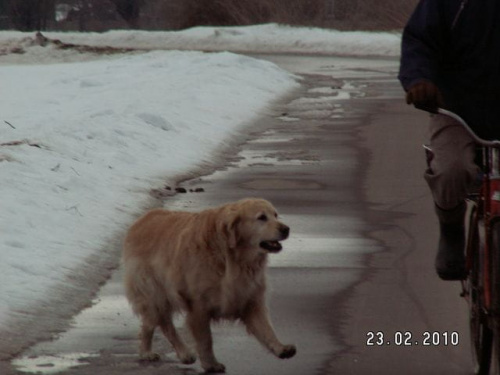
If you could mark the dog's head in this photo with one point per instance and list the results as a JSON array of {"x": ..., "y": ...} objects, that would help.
[{"x": 253, "y": 223}]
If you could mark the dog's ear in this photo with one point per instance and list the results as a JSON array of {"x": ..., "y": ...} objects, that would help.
[{"x": 231, "y": 229}]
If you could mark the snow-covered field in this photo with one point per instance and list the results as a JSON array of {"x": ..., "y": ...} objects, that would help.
[{"x": 84, "y": 138}]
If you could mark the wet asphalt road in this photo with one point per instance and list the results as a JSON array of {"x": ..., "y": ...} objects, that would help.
[{"x": 341, "y": 159}]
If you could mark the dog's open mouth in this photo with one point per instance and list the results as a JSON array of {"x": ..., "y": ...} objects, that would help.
[{"x": 271, "y": 246}]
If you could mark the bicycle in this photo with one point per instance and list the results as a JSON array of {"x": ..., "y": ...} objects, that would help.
[{"x": 481, "y": 288}]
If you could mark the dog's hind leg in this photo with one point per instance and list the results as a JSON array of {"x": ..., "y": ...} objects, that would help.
[
  {"x": 183, "y": 352},
  {"x": 146, "y": 335}
]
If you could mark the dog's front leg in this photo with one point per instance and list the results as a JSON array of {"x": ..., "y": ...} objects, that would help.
[
  {"x": 146, "y": 336},
  {"x": 258, "y": 324},
  {"x": 199, "y": 324}
]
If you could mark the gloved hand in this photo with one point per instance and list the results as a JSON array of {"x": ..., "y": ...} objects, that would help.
[{"x": 425, "y": 95}]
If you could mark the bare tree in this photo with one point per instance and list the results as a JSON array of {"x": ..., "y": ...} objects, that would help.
[
  {"x": 129, "y": 10},
  {"x": 384, "y": 14},
  {"x": 87, "y": 15},
  {"x": 27, "y": 15},
  {"x": 189, "y": 13}
]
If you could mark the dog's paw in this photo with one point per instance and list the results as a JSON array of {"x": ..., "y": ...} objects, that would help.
[
  {"x": 149, "y": 357},
  {"x": 187, "y": 358},
  {"x": 288, "y": 351},
  {"x": 215, "y": 368}
]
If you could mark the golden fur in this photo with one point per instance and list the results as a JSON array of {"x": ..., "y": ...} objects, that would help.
[{"x": 209, "y": 264}]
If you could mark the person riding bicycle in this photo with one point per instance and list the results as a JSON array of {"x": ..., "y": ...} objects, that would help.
[{"x": 450, "y": 58}]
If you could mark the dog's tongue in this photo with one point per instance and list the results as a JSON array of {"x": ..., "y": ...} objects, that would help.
[{"x": 271, "y": 246}]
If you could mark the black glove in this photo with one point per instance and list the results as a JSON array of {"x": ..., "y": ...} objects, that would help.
[{"x": 425, "y": 95}]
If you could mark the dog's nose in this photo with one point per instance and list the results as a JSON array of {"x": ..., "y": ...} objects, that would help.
[{"x": 285, "y": 230}]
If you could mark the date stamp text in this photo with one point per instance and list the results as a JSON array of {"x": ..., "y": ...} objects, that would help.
[{"x": 407, "y": 338}]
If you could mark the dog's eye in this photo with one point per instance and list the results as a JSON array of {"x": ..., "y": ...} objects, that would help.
[{"x": 262, "y": 217}]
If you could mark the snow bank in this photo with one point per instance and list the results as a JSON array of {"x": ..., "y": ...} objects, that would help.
[{"x": 272, "y": 38}]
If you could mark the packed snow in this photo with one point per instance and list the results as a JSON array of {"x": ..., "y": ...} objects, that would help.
[{"x": 83, "y": 143}]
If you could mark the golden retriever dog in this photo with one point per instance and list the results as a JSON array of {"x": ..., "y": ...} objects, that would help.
[{"x": 210, "y": 265}]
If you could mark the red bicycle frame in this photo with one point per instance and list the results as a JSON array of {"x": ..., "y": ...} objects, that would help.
[{"x": 491, "y": 211}]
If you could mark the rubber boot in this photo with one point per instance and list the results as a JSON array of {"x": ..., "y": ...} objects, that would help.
[{"x": 450, "y": 258}]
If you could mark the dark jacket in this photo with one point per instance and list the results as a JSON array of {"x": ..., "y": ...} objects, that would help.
[{"x": 456, "y": 45}]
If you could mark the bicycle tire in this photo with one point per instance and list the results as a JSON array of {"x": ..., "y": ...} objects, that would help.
[
  {"x": 480, "y": 331},
  {"x": 495, "y": 292}
]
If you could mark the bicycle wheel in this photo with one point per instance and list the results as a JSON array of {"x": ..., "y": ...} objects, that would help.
[
  {"x": 495, "y": 293},
  {"x": 480, "y": 332}
]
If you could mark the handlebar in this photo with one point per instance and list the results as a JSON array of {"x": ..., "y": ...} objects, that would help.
[{"x": 478, "y": 140}]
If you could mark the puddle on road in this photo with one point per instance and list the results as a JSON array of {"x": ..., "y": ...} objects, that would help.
[
  {"x": 288, "y": 119},
  {"x": 281, "y": 184},
  {"x": 271, "y": 140},
  {"x": 52, "y": 364}
]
